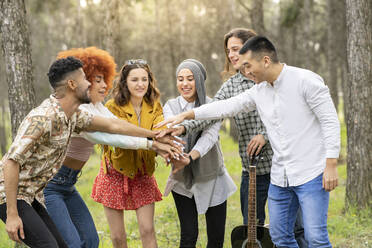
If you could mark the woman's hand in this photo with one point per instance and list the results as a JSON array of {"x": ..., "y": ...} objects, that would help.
[
  {"x": 180, "y": 164},
  {"x": 177, "y": 119}
]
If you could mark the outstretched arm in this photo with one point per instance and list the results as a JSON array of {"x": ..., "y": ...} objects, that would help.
[
  {"x": 118, "y": 126},
  {"x": 216, "y": 110}
]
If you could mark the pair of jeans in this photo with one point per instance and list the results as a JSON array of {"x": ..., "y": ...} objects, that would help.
[
  {"x": 38, "y": 227},
  {"x": 68, "y": 210},
  {"x": 284, "y": 203},
  {"x": 188, "y": 216},
  {"x": 262, "y": 188}
]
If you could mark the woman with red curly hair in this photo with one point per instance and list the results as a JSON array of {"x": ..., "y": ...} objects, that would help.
[{"x": 63, "y": 201}]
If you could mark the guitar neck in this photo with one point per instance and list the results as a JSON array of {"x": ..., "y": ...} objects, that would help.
[{"x": 252, "y": 232}]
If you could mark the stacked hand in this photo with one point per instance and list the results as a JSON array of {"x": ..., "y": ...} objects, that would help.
[
  {"x": 167, "y": 146},
  {"x": 179, "y": 164}
]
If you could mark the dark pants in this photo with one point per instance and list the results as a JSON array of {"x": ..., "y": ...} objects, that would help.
[
  {"x": 38, "y": 227},
  {"x": 188, "y": 216}
]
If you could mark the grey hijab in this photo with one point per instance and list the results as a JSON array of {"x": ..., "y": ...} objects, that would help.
[{"x": 200, "y": 75}]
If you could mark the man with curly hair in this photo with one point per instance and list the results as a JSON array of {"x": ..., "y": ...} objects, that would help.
[{"x": 39, "y": 149}]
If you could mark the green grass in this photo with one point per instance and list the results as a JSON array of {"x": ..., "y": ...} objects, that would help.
[{"x": 347, "y": 230}]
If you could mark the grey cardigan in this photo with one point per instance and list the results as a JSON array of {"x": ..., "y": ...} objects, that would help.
[{"x": 208, "y": 167}]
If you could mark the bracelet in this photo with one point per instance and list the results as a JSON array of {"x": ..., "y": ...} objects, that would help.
[{"x": 191, "y": 160}]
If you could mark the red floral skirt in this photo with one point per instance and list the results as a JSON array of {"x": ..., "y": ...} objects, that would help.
[{"x": 114, "y": 190}]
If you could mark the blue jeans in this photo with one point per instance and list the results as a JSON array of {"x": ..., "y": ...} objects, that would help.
[
  {"x": 284, "y": 203},
  {"x": 262, "y": 187},
  {"x": 68, "y": 210}
]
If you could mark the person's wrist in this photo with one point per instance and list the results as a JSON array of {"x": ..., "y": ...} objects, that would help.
[
  {"x": 150, "y": 144},
  {"x": 191, "y": 160}
]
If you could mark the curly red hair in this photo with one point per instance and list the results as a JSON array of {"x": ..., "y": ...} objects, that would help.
[{"x": 96, "y": 61}]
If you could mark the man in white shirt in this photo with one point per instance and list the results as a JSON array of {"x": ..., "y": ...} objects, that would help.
[{"x": 304, "y": 131}]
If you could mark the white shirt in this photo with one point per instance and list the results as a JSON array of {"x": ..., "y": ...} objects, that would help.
[
  {"x": 206, "y": 194},
  {"x": 300, "y": 119},
  {"x": 116, "y": 140}
]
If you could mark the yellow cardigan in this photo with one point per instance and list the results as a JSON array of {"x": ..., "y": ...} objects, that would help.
[{"x": 130, "y": 162}]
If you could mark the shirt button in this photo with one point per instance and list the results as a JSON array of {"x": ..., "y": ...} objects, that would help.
[{"x": 121, "y": 169}]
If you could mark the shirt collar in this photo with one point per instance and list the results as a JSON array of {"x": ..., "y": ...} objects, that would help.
[
  {"x": 58, "y": 109},
  {"x": 241, "y": 78},
  {"x": 279, "y": 79},
  {"x": 184, "y": 104}
]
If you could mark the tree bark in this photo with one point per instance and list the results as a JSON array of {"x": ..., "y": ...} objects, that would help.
[
  {"x": 332, "y": 64},
  {"x": 17, "y": 55},
  {"x": 112, "y": 27},
  {"x": 257, "y": 16},
  {"x": 359, "y": 93}
]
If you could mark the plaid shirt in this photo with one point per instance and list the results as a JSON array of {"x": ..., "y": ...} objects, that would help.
[
  {"x": 40, "y": 147},
  {"x": 249, "y": 124}
]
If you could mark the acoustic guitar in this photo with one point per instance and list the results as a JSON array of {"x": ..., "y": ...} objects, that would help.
[{"x": 251, "y": 235}]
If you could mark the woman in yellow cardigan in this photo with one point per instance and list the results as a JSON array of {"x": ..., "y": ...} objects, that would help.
[{"x": 125, "y": 180}]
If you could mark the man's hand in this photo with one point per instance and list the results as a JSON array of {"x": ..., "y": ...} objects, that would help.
[
  {"x": 180, "y": 164},
  {"x": 330, "y": 175},
  {"x": 12, "y": 225},
  {"x": 177, "y": 119},
  {"x": 255, "y": 145}
]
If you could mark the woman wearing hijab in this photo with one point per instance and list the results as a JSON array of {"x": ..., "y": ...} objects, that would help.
[{"x": 203, "y": 185}]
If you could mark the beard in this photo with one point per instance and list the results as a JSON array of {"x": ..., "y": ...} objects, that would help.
[{"x": 84, "y": 98}]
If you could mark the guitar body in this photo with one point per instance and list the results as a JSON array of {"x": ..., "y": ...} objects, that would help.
[{"x": 239, "y": 238}]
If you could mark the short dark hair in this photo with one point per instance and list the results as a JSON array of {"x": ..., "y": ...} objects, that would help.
[
  {"x": 260, "y": 45},
  {"x": 61, "y": 67}
]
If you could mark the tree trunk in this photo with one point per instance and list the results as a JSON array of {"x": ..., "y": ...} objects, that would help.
[
  {"x": 17, "y": 55},
  {"x": 112, "y": 27},
  {"x": 3, "y": 129},
  {"x": 257, "y": 16},
  {"x": 359, "y": 93},
  {"x": 332, "y": 64}
]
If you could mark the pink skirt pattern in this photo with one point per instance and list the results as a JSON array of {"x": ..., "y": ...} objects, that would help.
[{"x": 114, "y": 190}]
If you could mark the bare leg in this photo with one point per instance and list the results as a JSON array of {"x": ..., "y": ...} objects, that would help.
[
  {"x": 115, "y": 220},
  {"x": 145, "y": 218}
]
